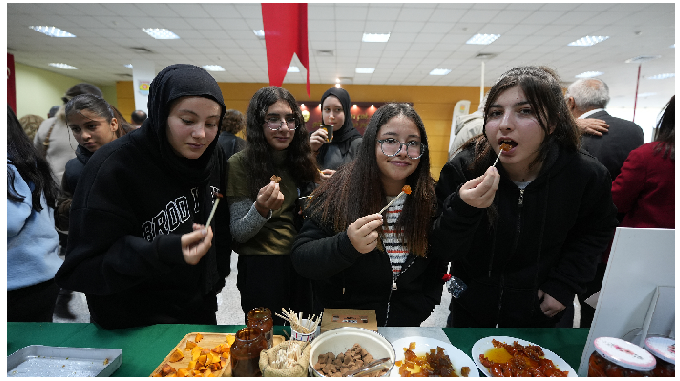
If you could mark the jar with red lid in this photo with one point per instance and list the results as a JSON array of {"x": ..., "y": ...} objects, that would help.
[
  {"x": 245, "y": 353},
  {"x": 663, "y": 349},
  {"x": 262, "y": 318},
  {"x": 618, "y": 358}
]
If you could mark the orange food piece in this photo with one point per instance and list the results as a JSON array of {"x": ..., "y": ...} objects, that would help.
[
  {"x": 183, "y": 372},
  {"x": 199, "y": 337},
  {"x": 190, "y": 344},
  {"x": 275, "y": 178},
  {"x": 505, "y": 147},
  {"x": 407, "y": 189},
  {"x": 176, "y": 355}
]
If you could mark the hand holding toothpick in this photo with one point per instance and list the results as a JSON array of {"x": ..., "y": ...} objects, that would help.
[
  {"x": 405, "y": 190},
  {"x": 212, "y": 212}
]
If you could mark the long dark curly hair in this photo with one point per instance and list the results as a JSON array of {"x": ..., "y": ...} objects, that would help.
[
  {"x": 355, "y": 190},
  {"x": 665, "y": 132},
  {"x": 541, "y": 86},
  {"x": 258, "y": 153}
]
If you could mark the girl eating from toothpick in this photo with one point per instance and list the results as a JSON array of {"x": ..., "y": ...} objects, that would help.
[
  {"x": 360, "y": 259},
  {"x": 524, "y": 236},
  {"x": 137, "y": 245}
]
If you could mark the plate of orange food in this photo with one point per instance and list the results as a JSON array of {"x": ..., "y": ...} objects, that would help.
[
  {"x": 425, "y": 357},
  {"x": 505, "y": 356}
]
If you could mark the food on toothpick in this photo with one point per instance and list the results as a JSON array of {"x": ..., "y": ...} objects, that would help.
[
  {"x": 275, "y": 178},
  {"x": 406, "y": 189},
  {"x": 504, "y": 147},
  {"x": 218, "y": 196}
]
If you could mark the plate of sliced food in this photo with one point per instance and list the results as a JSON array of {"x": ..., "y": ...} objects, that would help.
[
  {"x": 417, "y": 356},
  {"x": 505, "y": 356}
]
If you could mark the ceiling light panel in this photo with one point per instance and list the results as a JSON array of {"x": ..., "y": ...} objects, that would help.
[
  {"x": 62, "y": 66},
  {"x": 293, "y": 69},
  {"x": 662, "y": 76},
  {"x": 161, "y": 34},
  {"x": 588, "y": 41},
  {"x": 52, "y": 31},
  {"x": 214, "y": 68},
  {"x": 364, "y": 70},
  {"x": 375, "y": 37},
  {"x": 589, "y": 74},
  {"x": 482, "y": 39},
  {"x": 440, "y": 71}
]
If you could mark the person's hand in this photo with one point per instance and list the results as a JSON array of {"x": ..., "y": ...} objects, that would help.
[
  {"x": 481, "y": 191},
  {"x": 326, "y": 174},
  {"x": 362, "y": 233},
  {"x": 318, "y": 138},
  {"x": 268, "y": 198},
  {"x": 549, "y": 306},
  {"x": 592, "y": 126},
  {"x": 196, "y": 243}
]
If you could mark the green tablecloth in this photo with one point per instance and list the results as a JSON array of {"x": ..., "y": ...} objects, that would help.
[{"x": 145, "y": 348}]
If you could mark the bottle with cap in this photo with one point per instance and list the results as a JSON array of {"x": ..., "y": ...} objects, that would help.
[
  {"x": 618, "y": 358},
  {"x": 663, "y": 349}
]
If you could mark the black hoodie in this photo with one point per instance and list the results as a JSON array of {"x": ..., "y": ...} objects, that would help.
[
  {"x": 134, "y": 201},
  {"x": 345, "y": 144},
  {"x": 549, "y": 237},
  {"x": 69, "y": 180}
]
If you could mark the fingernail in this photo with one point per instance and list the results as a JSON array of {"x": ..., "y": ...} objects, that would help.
[{"x": 204, "y": 231}]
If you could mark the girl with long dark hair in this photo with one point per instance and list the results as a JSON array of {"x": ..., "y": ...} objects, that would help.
[
  {"x": 359, "y": 259},
  {"x": 265, "y": 182},
  {"x": 525, "y": 236},
  {"x": 145, "y": 256},
  {"x": 32, "y": 242}
]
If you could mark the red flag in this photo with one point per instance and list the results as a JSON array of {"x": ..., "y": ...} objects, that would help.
[
  {"x": 285, "y": 33},
  {"x": 11, "y": 83}
]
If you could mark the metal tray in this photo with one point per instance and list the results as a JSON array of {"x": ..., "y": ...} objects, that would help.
[{"x": 43, "y": 361}]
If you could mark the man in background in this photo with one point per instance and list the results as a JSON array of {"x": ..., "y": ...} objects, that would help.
[{"x": 138, "y": 117}]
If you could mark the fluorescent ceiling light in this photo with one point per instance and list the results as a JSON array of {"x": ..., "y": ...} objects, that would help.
[
  {"x": 641, "y": 59},
  {"x": 482, "y": 39},
  {"x": 645, "y": 95},
  {"x": 376, "y": 37},
  {"x": 214, "y": 68},
  {"x": 589, "y": 74},
  {"x": 439, "y": 71},
  {"x": 259, "y": 34},
  {"x": 62, "y": 66},
  {"x": 364, "y": 70},
  {"x": 588, "y": 41},
  {"x": 52, "y": 31},
  {"x": 161, "y": 34},
  {"x": 662, "y": 76},
  {"x": 129, "y": 66},
  {"x": 293, "y": 69}
]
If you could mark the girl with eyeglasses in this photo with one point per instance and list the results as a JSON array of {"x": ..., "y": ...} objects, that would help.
[
  {"x": 525, "y": 236},
  {"x": 264, "y": 211},
  {"x": 360, "y": 259},
  {"x": 345, "y": 142}
]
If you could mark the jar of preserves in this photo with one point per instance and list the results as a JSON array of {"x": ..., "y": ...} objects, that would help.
[
  {"x": 262, "y": 318},
  {"x": 618, "y": 358},
  {"x": 245, "y": 353},
  {"x": 663, "y": 349}
]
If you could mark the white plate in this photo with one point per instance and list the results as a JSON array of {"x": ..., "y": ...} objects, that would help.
[
  {"x": 423, "y": 344},
  {"x": 483, "y": 345}
]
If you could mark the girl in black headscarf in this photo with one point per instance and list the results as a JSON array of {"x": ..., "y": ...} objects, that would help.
[
  {"x": 137, "y": 247},
  {"x": 345, "y": 141}
]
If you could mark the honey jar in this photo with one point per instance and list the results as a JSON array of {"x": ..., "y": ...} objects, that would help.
[
  {"x": 245, "y": 353},
  {"x": 618, "y": 358},
  {"x": 663, "y": 349},
  {"x": 262, "y": 318}
]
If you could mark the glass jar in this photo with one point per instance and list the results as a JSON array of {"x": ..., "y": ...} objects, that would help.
[
  {"x": 618, "y": 358},
  {"x": 663, "y": 349},
  {"x": 245, "y": 353},
  {"x": 262, "y": 318}
]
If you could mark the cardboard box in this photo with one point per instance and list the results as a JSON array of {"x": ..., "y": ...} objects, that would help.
[{"x": 338, "y": 318}]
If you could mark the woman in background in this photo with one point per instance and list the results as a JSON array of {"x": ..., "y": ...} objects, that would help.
[
  {"x": 336, "y": 112},
  {"x": 264, "y": 209},
  {"x": 232, "y": 123},
  {"x": 356, "y": 258},
  {"x": 32, "y": 241}
]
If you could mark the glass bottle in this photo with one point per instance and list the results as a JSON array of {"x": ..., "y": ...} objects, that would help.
[
  {"x": 262, "y": 318},
  {"x": 663, "y": 349},
  {"x": 618, "y": 358},
  {"x": 245, "y": 353}
]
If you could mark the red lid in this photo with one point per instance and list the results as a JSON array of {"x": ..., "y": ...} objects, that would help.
[
  {"x": 624, "y": 354},
  {"x": 661, "y": 347}
]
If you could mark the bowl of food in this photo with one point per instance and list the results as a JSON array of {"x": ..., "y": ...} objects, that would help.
[{"x": 345, "y": 350}]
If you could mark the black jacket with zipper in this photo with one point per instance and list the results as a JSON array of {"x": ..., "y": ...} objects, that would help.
[
  {"x": 548, "y": 236},
  {"x": 344, "y": 278}
]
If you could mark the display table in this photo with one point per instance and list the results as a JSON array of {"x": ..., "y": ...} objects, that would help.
[{"x": 145, "y": 348}]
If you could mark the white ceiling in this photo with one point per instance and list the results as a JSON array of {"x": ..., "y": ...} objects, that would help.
[{"x": 423, "y": 37}]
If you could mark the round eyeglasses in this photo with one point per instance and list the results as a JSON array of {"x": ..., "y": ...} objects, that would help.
[
  {"x": 275, "y": 124},
  {"x": 391, "y": 147}
]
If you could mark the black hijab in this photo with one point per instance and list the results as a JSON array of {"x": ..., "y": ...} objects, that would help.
[
  {"x": 344, "y": 136},
  {"x": 170, "y": 84}
]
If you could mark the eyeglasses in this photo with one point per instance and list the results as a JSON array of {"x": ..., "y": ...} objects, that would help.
[
  {"x": 274, "y": 123},
  {"x": 391, "y": 147}
]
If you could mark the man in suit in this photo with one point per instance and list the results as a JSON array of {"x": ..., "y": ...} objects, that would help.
[{"x": 587, "y": 98}]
